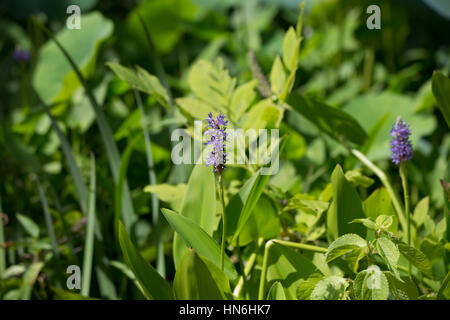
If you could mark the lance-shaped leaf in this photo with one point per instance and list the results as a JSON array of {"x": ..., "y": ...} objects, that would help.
[
  {"x": 199, "y": 205},
  {"x": 153, "y": 285},
  {"x": 417, "y": 258},
  {"x": 196, "y": 238},
  {"x": 197, "y": 278},
  {"x": 441, "y": 91},
  {"x": 332, "y": 121}
]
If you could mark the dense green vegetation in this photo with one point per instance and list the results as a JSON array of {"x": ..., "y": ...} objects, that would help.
[{"x": 87, "y": 142}]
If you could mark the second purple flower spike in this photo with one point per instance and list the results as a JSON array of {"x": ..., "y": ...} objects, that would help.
[
  {"x": 401, "y": 146},
  {"x": 216, "y": 128}
]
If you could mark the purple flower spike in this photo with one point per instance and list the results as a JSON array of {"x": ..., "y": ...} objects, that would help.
[
  {"x": 21, "y": 55},
  {"x": 401, "y": 146},
  {"x": 216, "y": 129}
]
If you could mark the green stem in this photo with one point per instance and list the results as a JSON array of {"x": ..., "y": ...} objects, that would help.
[
  {"x": 248, "y": 268},
  {"x": 224, "y": 221},
  {"x": 404, "y": 177},
  {"x": 384, "y": 179},
  {"x": 2, "y": 240},
  {"x": 269, "y": 244},
  {"x": 160, "y": 262}
]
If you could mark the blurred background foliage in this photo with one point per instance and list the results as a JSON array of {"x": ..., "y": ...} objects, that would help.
[{"x": 374, "y": 75}]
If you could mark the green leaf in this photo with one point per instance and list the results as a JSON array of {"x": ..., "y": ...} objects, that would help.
[
  {"x": 199, "y": 205},
  {"x": 307, "y": 286},
  {"x": 291, "y": 48},
  {"x": 262, "y": 223},
  {"x": 197, "y": 279},
  {"x": 417, "y": 258},
  {"x": 60, "y": 294},
  {"x": 421, "y": 211},
  {"x": 276, "y": 292},
  {"x": 383, "y": 221},
  {"x": 444, "y": 290},
  {"x": 242, "y": 98},
  {"x": 371, "y": 284},
  {"x": 351, "y": 245},
  {"x": 371, "y": 110},
  {"x": 367, "y": 223},
  {"x": 289, "y": 268},
  {"x": 379, "y": 203},
  {"x": 54, "y": 78},
  {"x": 345, "y": 207},
  {"x": 154, "y": 286},
  {"x": 402, "y": 290},
  {"x": 141, "y": 80},
  {"x": 441, "y": 91},
  {"x": 173, "y": 195},
  {"x": 29, "y": 278},
  {"x": 332, "y": 121},
  {"x": 197, "y": 238},
  {"x": 277, "y": 76},
  {"x": 29, "y": 225},
  {"x": 330, "y": 288},
  {"x": 166, "y": 21},
  {"x": 389, "y": 252},
  {"x": 242, "y": 205}
]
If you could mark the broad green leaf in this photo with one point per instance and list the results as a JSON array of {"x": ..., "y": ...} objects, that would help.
[
  {"x": 212, "y": 83},
  {"x": 421, "y": 211},
  {"x": 402, "y": 290},
  {"x": 242, "y": 98},
  {"x": 277, "y": 76},
  {"x": 168, "y": 193},
  {"x": 417, "y": 258},
  {"x": 54, "y": 78},
  {"x": 332, "y": 121},
  {"x": 345, "y": 207},
  {"x": 307, "y": 286},
  {"x": 242, "y": 205},
  {"x": 263, "y": 114},
  {"x": 199, "y": 240},
  {"x": 379, "y": 203},
  {"x": 165, "y": 20},
  {"x": 154, "y": 286},
  {"x": 389, "y": 252},
  {"x": 371, "y": 284},
  {"x": 367, "y": 223},
  {"x": 384, "y": 222},
  {"x": 199, "y": 205},
  {"x": 441, "y": 90},
  {"x": 141, "y": 80},
  {"x": 197, "y": 279},
  {"x": 369, "y": 109},
  {"x": 276, "y": 292},
  {"x": 289, "y": 268},
  {"x": 291, "y": 47},
  {"x": 350, "y": 245},
  {"x": 262, "y": 223},
  {"x": 29, "y": 225},
  {"x": 330, "y": 288}
]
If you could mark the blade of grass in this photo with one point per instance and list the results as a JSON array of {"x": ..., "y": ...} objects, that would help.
[
  {"x": 2, "y": 240},
  {"x": 48, "y": 216},
  {"x": 106, "y": 286},
  {"x": 160, "y": 263},
  {"x": 105, "y": 131},
  {"x": 67, "y": 150},
  {"x": 89, "y": 241}
]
